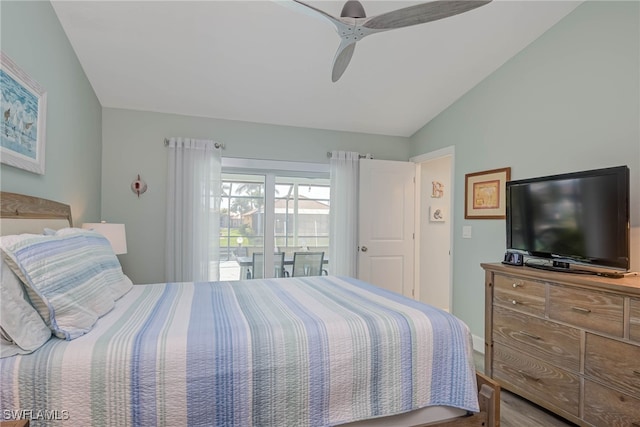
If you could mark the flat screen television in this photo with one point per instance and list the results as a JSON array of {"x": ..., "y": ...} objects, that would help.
[{"x": 574, "y": 218}]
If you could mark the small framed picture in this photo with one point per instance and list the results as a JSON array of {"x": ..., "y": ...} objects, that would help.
[
  {"x": 485, "y": 194},
  {"x": 436, "y": 214}
]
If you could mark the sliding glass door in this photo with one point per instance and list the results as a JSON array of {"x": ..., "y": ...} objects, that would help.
[
  {"x": 287, "y": 213},
  {"x": 241, "y": 224},
  {"x": 301, "y": 214}
]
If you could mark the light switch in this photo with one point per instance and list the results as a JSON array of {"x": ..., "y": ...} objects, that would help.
[{"x": 466, "y": 232}]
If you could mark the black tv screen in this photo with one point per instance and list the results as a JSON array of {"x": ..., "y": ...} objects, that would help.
[{"x": 580, "y": 217}]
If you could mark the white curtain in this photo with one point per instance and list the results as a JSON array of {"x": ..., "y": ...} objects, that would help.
[
  {"x": 344, "y": 213},
  {"x": 193, "y": 211}
]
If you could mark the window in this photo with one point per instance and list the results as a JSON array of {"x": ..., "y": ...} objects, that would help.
[
  {"x": 293, "y": 201},
  {"x": 301, "y": 213}
]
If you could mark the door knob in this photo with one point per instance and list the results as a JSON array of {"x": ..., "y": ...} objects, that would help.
[{"x": 364, "y": 249}]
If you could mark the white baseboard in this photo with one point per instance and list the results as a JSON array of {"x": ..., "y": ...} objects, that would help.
[{"x": 478, "y": 344}]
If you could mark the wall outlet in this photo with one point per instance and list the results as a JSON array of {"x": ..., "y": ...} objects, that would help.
[{"x": 466, "y": 232}]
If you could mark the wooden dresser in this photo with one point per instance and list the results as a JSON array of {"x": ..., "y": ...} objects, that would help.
[{"x": 568, "y": 342}]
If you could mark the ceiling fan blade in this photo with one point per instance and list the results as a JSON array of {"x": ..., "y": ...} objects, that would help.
[
  {"x": 309, "y": 10},
  {"x": 421, "y": 13},
  {"x": 342, "y": 59}
]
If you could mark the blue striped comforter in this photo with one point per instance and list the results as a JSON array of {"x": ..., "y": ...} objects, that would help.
[{"x": 275, "y": 352}]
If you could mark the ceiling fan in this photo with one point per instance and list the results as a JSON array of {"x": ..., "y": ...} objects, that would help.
[{"x": 353, "y": 24}]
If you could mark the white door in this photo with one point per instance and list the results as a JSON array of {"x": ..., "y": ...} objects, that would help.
[{"x": 386, "y": 224}]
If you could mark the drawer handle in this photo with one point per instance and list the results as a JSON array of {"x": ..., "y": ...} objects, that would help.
[
  {"x": 516, "y": 285},
  {"x": 527, "y": 334},
  {"x": 531, "y": 377},
  {"x": 514, "y": 302},
  {"x": 580, "y": 309}
]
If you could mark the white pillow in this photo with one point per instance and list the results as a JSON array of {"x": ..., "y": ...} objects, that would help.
[
  {"x": 23, "y": 329},
  {"x": 8, "y": 349}
]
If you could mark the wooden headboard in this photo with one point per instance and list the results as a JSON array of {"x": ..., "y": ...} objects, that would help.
[{"x": 27, "y": 214}]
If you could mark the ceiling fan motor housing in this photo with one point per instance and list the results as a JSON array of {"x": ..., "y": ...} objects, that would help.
[{"x": 353, "y": 9}]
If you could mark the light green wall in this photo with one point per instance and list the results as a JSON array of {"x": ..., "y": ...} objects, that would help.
[
  {"x": 568, "y": 102},
  {"x": 133, "y": 144},
  {"x": 32, "y": 37}
]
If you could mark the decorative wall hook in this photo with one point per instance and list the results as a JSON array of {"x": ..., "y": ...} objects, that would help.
[{"x": 138, "y": 186}]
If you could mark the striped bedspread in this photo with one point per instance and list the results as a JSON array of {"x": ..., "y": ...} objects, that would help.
[{"x": 275, "y": 352}]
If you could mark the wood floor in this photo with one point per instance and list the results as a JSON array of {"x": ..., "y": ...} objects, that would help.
[{"x": 518, "y": 412}]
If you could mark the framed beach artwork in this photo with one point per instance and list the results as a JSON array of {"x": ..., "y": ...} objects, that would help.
[
  {"x": 23, "y": 105},
  {"x": 485, "y": 194}
]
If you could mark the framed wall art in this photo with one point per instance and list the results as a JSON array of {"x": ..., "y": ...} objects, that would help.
[
  {"x": 23, "y": 104},
  {"x": 437, "y": 214},
  {"x": 485, "y": 194}
]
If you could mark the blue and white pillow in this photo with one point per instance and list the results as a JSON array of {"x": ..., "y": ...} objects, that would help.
[
  {"x": 101, "y": 252},
  {"x": 67, "y": 285}
]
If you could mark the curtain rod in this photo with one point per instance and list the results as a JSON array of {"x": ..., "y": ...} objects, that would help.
[
  {"x": 215, "y": 144},
  {"x": 360, "y": 156}
]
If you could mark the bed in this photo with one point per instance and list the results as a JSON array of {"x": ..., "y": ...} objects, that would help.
[{"x": 312, "y": 351}]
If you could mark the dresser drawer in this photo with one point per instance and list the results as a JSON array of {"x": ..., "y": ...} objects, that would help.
[
  {"x": 634, "y": 319},
  {"x": 583, "y": 308},
  {"x": 606, "y": 407},
  {"x": 536, "y": 378},
  {"x": 614, "y": 362},
  {"x": 524, "y": 295},
  {"x": 550, "y": 341}
]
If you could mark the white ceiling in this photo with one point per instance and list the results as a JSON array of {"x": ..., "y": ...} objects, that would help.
[{"x": 258, "y": 61}]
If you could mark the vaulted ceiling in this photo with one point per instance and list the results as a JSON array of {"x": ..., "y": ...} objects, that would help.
[{"x": 258, "y": 61}]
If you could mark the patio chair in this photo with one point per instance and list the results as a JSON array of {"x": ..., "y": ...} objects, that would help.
[
  {"x": 290, "y": 250},
  {"x": 258, "y": 261},
  {"x": 307, "y": 264},
  {"x": 245, "y": 270}
]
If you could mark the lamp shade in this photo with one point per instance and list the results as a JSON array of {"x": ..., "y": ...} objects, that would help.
[{"x": 114, "y": 233}]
